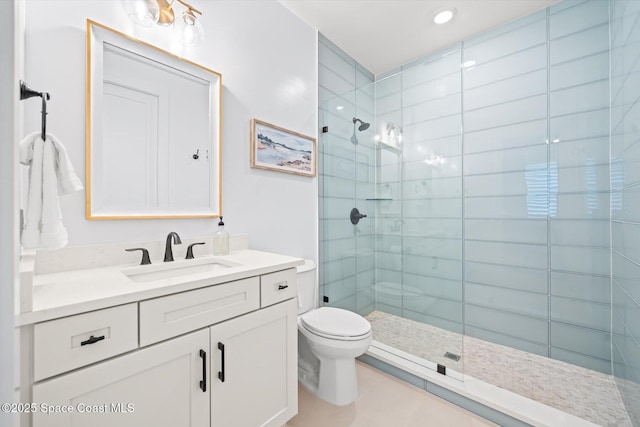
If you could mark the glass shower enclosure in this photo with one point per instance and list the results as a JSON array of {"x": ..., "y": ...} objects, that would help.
[
  {"x": 400, "y": 265},
  {"x": 485, "y": 178}
]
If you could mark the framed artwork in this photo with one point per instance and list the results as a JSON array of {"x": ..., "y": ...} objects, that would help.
[{"x": 281, "y": 150}]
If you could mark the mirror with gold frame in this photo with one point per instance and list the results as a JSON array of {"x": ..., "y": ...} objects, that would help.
[{"x": 153, "y": 131}]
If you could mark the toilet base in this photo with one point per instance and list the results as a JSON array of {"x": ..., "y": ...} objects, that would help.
[
  {"x": 338, "y": 381},
  {"x": 327, "y": 368}
]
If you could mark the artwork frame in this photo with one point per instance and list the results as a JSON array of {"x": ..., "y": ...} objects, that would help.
[{"x": 269, "y": 145}]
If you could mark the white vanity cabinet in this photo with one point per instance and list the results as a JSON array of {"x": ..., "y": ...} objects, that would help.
[
  {"x": 254, "y": 365},
  {"x": 156, "y": 386},
  {"x": 216, "y": 356}
]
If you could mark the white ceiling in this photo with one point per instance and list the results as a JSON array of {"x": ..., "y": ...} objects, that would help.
[{"x": 384, "y": 34}]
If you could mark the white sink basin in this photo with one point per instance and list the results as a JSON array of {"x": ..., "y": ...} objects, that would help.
[{"x": 172, "y": 270}]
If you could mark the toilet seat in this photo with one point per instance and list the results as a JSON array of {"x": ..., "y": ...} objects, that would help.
[{"x": 336, "y": 323}]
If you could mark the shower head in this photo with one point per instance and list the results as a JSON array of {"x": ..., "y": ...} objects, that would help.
[{"x": 363, "y": 125}]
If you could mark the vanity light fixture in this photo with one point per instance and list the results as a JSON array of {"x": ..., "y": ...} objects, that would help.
[
  {"x": 186, "y": 27},
  {"x": 444, "y": 15},
  {"x": 142, "y": 12}
]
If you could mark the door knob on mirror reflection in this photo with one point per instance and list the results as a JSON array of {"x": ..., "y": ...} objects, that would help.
[{"x": 356, "y": 216}]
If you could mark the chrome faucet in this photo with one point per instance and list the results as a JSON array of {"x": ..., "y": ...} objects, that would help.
[{"x": 168, "y": 252}]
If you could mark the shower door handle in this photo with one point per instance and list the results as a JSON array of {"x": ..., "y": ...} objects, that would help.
[{"x": 356, "y": 216}]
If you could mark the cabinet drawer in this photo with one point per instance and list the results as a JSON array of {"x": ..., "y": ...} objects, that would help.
[
  {"x": 173, "y": 315},
  {"x": 278, "y": 286},
  {"x": 64, "y": 344}
]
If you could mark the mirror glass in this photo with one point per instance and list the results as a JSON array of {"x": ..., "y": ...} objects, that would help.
[{"x": 153, "y": 140}]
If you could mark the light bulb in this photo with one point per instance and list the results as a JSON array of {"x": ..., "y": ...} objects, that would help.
[
  {"x": 188, "y": 29},
  {"x": 142, "y": 12},
  {"x": 442, "y": 16}
]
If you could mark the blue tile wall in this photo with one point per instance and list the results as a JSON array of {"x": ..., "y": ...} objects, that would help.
[
  {"x": 505, "y": 85},
  {"x": 542, "y": 179},
  {"x": 625, "y": 200},
  {"x": 579, "y": 128}
]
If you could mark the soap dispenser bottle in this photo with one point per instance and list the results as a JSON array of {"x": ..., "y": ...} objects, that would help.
[{"x": 221, "y": 240}]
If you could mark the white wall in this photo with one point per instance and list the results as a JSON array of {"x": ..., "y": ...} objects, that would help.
[{"x": 267, "y": 57}]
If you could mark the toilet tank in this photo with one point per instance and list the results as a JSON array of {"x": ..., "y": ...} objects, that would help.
[{"x": 307, "y": 286}]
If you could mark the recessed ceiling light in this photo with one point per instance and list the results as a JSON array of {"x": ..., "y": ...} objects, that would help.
[{"x": 444, "y": 15}]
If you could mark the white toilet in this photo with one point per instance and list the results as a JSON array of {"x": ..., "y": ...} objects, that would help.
[{"x": 329, "y": 340}]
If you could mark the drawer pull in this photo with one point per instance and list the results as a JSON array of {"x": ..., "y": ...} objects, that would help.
[
  {"x": 221, "y": 372},
  {"x": 282, "y": 285},
  {"x": 203, "y": 383},
  {"x": 92, "y": 340}
]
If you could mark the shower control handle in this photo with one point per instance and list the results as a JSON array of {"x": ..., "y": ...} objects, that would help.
[{"x": 356, "y": 216}]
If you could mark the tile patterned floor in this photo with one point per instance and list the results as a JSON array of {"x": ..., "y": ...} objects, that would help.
[
  {"x": 383, "y": 401},
  {"x": 587, "y": 394}
]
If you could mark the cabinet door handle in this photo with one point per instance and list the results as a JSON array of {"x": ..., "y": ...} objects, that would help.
[
  {"x": 221, "y": 372},
  {"x": 92, "y": 340},
  {"x": 203, "y": 383},
  {"x": 281, "y": 287}
]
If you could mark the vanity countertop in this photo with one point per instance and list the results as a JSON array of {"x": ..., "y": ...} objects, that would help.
[{"x": 67, "y": 293}]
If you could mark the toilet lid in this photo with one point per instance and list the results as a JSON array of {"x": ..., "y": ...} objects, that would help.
[{"x": 336, "y": 322}]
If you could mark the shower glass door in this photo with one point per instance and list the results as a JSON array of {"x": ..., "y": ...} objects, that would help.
[
  {"x": 400, "y": 266},
  {"x": 347, "y": 182}
]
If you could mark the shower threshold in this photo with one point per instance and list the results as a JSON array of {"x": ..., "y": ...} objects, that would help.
[
  {"x": 524, "y": 409},
  {"x": 533, "y": 389}
]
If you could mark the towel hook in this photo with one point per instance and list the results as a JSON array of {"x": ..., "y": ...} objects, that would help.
[
  {"x": 45, "y": 97},
  {"x": 26, "y": 92}
]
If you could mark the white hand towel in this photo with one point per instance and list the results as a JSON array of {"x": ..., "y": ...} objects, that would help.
[
  {"x": 31, "y": 152},
  {"x": 52, "y": 233},
  {"x": 68, "y": 181},
  {"x": 50, "y": 172}
]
